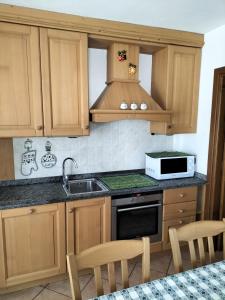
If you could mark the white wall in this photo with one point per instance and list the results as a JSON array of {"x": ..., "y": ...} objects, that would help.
[
  {"x": 213, "y": 56},
  {"x": 110, "y": 146}
]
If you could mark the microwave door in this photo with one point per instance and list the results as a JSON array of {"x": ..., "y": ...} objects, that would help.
[{"x": 174, "y": 165}]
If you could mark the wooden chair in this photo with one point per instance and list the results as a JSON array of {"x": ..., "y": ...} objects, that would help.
[
  {"x": 196, "y": 231},
  {"x": 108, "y": 254}
]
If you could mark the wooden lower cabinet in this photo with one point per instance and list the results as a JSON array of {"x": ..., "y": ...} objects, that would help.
[
  {"x": 32, "y": 243},
  {"x": 179, "y": 208},
  {"x": 88, "y": 223}
]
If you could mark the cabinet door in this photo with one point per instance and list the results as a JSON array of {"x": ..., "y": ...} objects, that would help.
[
  {"x": 183, "y": 87},
  {"x": 88, "y": 223},
  {"x": 20, "y": 87},
  {"x": 175, "y": 86},
  {"x": 64, "y": 82},
  {"x": 32, "y": 243}
]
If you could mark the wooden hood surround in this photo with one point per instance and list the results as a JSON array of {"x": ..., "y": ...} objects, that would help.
[{"x": 123, "y": 86}]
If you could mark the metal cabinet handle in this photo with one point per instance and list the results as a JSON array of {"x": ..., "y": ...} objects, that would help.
[
  {"x": 182, "y": 195},
  {"x": 180, "y": 211},
  {"x": 70, "y": 210}
]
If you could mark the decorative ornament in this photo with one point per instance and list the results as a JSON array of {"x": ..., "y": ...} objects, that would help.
[
  {"x": 122, "y": 55},
  {"x": 48, "y": 160},
  {"x": 132, "y": 69},
  {"x": 28, "y": 161}
]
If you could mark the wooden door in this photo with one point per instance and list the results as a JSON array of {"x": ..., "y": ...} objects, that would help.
[
  {"x": 32, "y": 243},
  {"x": 214, "y": 202},
  {"x": 88, "y": 223},
  {"x": 222, "y": 191},
  {"x": 64, "y": 82},
  {"x": 20, "y": 87},
  {"x": 183, "y": 87}
]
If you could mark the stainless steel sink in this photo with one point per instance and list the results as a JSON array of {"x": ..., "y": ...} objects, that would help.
[{"x": 84, "y": 186}]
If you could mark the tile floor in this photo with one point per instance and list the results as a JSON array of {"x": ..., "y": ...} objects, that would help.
[{"x": 161, "y": 266}]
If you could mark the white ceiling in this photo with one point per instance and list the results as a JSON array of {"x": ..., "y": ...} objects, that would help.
[{"x": 191, "y": 15}]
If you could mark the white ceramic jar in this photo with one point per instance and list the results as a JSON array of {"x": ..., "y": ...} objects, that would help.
[
  {"x": 133, "y": 106},
  {"x": 123, "y": 105},
  {"x": 143, "y": 106}
]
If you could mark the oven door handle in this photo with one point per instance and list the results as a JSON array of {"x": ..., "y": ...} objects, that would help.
[{"x": 138, "y": 207}]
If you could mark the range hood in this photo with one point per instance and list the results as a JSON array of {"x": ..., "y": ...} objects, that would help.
[{"x": 123, "y": 86}]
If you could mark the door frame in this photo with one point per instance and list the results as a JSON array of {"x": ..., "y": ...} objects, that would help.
[{"x": 216, "y": 142}]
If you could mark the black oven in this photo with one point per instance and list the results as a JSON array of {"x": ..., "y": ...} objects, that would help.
[{"x": 137, "y": 215}]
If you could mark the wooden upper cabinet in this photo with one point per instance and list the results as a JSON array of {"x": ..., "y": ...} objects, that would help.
[
  {"x": 175, "y": 86},
  {"x": 32, "y": 243},
  {"x": 20, "y": 87},
  {"x": 64, "y": 82},
  {"x": 57, "y": 60},
  {"x": 88, "y": 223}
]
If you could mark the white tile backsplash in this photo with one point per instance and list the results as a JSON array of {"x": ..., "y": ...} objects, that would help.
[{"x": 111, "y": 146}]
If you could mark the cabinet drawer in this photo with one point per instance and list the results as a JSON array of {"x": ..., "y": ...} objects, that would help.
[
  {"x": 173, "y": 223},
  {"x": 180, "y": 195},
  {"x": 179, "y": 210}
]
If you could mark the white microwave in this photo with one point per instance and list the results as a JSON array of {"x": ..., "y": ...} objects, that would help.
[{"x": 169, "y": 165}]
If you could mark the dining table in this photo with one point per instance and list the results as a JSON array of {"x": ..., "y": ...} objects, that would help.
[{"x": 206, "y": 282}]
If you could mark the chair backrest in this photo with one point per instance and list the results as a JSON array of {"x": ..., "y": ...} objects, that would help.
[
  {"x": 108, "y": 254},
  {"x": 196, "y": 231}
]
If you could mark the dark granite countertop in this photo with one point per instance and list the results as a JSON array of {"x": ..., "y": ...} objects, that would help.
[{"x": 22, "y": 193}]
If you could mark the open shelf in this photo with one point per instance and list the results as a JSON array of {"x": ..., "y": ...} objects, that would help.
[{"x": 108, "y": 115}]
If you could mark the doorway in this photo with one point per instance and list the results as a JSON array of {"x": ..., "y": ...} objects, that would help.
[{"x": 214, "y": 201}]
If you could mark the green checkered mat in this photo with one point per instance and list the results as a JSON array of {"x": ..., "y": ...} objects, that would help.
[{"x": 127, "y": 181}]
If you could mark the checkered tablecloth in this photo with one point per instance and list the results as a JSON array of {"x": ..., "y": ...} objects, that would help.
[{"x": 206, "y": 282}]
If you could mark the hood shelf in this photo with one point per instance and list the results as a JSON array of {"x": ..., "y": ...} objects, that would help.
[{"x": 109, "y": 115}]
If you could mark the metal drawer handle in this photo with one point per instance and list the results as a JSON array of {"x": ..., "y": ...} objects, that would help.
[
  {"x": 182, "y": 195},
  {"x": 180, "y": 211},
  {"x": 138, "y": 207},
  {"x": 70, "y": 210}
]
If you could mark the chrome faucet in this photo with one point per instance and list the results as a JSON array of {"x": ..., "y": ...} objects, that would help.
[{"x": 65, "y": 177}]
